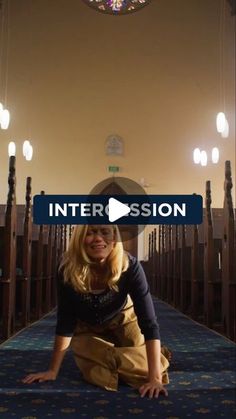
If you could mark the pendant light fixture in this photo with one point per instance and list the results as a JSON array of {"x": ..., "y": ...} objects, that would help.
[
  {"x": 4, "y": 58},
  {"x": 27, "y": 149},
  {"x": 215, "y": 155},
  {"x": 221, "y": 120},
  {"x": 197, "y": 155}
]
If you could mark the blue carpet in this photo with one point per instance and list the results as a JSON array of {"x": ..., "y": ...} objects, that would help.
[{"x": 202, "y": 377}]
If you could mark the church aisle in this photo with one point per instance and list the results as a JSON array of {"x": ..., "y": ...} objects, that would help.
[{"x": 202, "y": 377}]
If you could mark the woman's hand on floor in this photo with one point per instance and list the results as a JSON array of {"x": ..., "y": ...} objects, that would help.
[
  {"x": 153, "y": 388},
  {"x": 40, "y": 377}
]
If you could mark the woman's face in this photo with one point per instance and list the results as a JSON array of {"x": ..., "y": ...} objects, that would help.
[{"x": 99, "y": 241}]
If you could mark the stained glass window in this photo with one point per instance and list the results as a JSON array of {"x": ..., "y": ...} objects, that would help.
[{"x": 117, "y": 7}]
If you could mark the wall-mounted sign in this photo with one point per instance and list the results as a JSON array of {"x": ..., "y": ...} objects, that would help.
[{"x": 113, "y": 169}]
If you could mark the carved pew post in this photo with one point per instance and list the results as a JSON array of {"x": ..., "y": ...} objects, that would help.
[
  {"x": 228, "y": 255},
  {"x": 48, "y": 269},
  {"x": 158, "y": 265},
  {"x": 177, "y": 253},
  {"x": 163, "y": 263},
  {"x": 65, "y": 238},
  {"x": 185, "y": 272},
  {"x": 149, "y": 271},
  {"x": 194, "y": 285},
  {"x": 8, "y": 280},
  {"x": 197, "y": 274},
  {"x": 55, "y": 262},
  {"x": 61, "y": 241},
  {"x": 169, "y": 250},
  {"x": 27, "y": 253},
  {"x": 182, "y": 269},
  {"x": 166, "y": 260},
  {"x": 208, "y": 261},
  {"x": 23, "y": 259},
  {"x": 153, "y": 261},
  {"x": 70, "y": 231},
  {"x": 37, "y": 270}
]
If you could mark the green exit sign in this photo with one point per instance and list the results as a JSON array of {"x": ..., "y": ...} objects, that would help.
[{"x": 113, "y": 169}]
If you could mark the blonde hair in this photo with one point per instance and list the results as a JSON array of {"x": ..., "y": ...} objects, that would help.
[{"x": 76, "y": 264}]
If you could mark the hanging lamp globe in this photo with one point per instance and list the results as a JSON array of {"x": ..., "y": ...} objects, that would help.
[
  {"x": 225, "y": 133},
  {"x": 117, "y": 7},
  {"x": 29, "y": 153},
  {"x": 215, "y": 155},
  {"x": 197, "y": 155},
  {"x": 11, "y": 149},
  {"x": 5, "y": 119},
  {"x": 203, "y": 158},
  {"x": 25, "y": 147},
  {"x": 220, "y": 121}
]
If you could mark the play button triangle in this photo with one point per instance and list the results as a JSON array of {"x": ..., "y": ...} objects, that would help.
[{"x": 117, "y": 209}]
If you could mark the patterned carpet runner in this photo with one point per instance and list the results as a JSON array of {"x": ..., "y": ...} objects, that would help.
[{"x": 202, "y": 377}]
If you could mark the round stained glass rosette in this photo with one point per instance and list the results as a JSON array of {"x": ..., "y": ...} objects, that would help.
[{"x": 117, "y": 7}]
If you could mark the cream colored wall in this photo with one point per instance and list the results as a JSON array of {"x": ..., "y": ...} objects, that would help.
[{"x": 76, "y": 76}]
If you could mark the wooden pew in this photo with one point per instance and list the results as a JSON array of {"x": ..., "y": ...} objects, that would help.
[
  {"x": 29, "y": 255},
  {"x": 33, "y": 286},
  {"x": 8, "y": 258},
  {"x": 164, "y": 264},
  {"x": 195, "y": 266}
]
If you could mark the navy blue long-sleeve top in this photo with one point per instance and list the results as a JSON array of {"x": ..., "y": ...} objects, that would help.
[{"x": 99, "y": 308}]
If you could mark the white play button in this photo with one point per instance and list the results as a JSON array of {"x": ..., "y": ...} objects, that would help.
[{"x": 117, "y": 209}]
